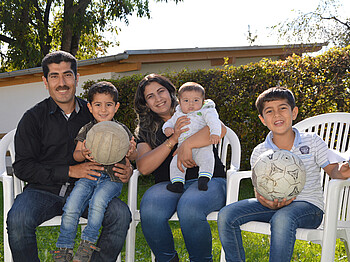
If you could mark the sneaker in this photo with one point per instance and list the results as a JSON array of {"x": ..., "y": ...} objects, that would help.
[
  {"x": 62, "y": 254},
  {"x": 84, "y": 252}
]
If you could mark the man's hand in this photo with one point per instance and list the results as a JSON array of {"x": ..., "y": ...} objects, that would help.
[
  {"x": 85, "y": 170},
  {"x": 273, "y": 204},
  {"x": 123, "y": 172}
]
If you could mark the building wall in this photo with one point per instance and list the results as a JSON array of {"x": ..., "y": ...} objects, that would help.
[{"x": 16, "y": 99}]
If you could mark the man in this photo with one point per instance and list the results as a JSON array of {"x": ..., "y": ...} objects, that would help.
[{"x": 44, "y": 145}]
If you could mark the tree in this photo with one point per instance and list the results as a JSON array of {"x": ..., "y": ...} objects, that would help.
[
  {"x": 325, "y": 24},
  {"x": 30, "y": 29}
]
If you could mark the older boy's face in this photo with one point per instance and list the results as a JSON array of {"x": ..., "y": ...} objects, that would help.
[
  {"x": 278, "y": 116},
  {"x": 103, "y": 108}
]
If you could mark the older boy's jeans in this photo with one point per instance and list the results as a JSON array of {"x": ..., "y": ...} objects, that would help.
[
  {"x": 93, "y": 193},
  {"x": 284, "y": 223},
  {"x": 159, "y": 204},
  {"x": 33, "y": 207}
]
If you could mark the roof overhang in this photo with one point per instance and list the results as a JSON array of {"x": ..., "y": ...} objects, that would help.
[{"x": 132, "y": 60}]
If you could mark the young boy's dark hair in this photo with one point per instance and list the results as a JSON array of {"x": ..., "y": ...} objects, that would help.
[
  {"x": 56, "y": 58},
  {"x": 191, "y": 86},
  {"x": 103, "y": 87},
  {"x": 273, "y": 94}
]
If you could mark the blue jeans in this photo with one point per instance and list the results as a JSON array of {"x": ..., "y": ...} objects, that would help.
[
  {"x": 33, "y": 207},
  {"x": 158, "y": 204},
  {"x": 93, "y": 193},
  {"x": 283, "y": 223}
]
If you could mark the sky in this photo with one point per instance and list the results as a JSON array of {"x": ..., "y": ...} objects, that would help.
[{"x": 208, "y": 23}]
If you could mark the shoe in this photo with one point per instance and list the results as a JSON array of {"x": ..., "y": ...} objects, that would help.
[
  {"x": 203, "y": 183},
  {"x": 62, "y": 254},
  {"x": 176, "y": 187},
  {"x": 84, "y": 252}
]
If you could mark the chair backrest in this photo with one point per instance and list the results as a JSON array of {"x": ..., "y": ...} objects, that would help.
[
  {"x": 7, "y": 145},
  {"x": 333, "y": 128},
  {"x": 229, "y": 150}
]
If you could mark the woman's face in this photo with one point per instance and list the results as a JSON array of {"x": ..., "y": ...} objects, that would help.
[{"x": 158, "y": 100}]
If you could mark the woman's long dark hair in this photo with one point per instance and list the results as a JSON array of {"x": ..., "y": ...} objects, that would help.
[{"x": 148, "y": 122}]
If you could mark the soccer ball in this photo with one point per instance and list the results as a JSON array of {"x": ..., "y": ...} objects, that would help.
[
  {"x": 108, "y": 142},
  {"x": 278, "y": 175}
]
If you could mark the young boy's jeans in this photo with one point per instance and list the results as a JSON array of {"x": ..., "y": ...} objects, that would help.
[
  {"x": 283, "y": 221},
  {"x": 95, "y": 193}
]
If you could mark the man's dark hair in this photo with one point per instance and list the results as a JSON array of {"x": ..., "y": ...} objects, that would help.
[
  {"x": 273, "y": 94},
  {"x": 57, "y": 57},
  {"x": 103, "y": 87}
]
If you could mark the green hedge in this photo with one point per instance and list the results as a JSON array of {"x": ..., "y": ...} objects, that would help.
[{"x": 320, "y": 85}]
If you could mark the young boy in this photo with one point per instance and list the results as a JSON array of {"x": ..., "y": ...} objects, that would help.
[
  {"x": 277, "y": 111},
  {"x": 201, "y": 113},
  {"x": 95, "y": 191}
]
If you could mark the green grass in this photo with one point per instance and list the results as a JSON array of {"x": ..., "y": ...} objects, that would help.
[{"x": 256, "y": 245}]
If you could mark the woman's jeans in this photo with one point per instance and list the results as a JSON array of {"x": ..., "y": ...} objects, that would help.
[
  {"x": 33, "y": 207},
  {"x": 93, "y": 193},
  {"x": 158, "y": 205},
  {"x": 283, "y": 223}
]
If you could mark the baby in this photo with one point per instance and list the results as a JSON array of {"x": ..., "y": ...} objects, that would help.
[{"x": 201, "y": 113}]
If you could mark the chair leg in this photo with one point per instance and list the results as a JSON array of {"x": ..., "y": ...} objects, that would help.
[
  {"x": 222, "y": 255},
  {"x": 130, "y": 243}
]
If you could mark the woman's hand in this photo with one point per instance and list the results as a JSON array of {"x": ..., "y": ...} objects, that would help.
[
  {"x": 180, "y": 128},
  {"x": 184, "y": 156},
  {"x": 275, "y": 204}
]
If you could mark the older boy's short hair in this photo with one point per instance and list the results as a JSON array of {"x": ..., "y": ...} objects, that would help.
[
  {"x": 191, "y": 86},
  {"x": 56, "y": 58},
  {"x": 273, "y": 94},
  {"x": 102, "y": 87}
]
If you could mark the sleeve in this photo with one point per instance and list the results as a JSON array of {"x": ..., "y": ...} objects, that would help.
[
  {"x": 321, "y": 147},
  {"x": 211, "y": 117},
  {"x": 28, "y": 165},
  {"x": 81, "y": 134},
  {"x": 170, "y": 123}
]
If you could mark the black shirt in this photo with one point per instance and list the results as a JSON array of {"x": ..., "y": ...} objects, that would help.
[
  {"x": 44, "y": 144},
  {"x": 162, "y": 173}
]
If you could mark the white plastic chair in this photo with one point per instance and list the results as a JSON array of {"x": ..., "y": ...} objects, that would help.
[
  {"x": 231, "y": 161},
  {"x": 334, "y": 129},
  {"x": 12, "y": 186}
]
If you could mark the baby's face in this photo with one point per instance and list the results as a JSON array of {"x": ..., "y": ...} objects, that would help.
[{"x": 191, "y": 101}]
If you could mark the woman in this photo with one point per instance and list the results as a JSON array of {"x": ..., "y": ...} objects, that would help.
[{"x": 155, "y": 102}]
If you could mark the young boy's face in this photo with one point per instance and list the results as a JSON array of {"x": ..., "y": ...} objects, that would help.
[
  {"x": 191, "y": 101},
  {"x": 278, "y": 116},
  {"x": 102, "y": 107}
]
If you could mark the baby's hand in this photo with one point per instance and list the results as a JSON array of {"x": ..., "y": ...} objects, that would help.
[
  {"x": 168, "y": 131},
  {"x": 214, "y": 139},
  {"x": 86, "y": 152}
]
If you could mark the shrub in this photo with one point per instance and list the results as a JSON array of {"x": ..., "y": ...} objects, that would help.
[{"x": 320, "y": 85}]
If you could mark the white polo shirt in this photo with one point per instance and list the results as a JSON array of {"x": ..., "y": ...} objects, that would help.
[{"x": 312, "y": 150}]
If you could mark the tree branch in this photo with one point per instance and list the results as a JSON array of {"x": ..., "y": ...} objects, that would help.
[{"x": 7, "y": 39}]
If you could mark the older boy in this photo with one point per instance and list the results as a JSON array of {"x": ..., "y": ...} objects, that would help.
[
  {"x": 44, "y": 144},
  {"x": 277, "y": 111}
]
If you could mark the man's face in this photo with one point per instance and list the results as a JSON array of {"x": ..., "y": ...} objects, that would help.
[{"x": 61, "y": 83}]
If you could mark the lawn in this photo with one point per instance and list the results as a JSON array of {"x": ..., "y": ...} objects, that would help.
[{"x": 256, "y": 246}]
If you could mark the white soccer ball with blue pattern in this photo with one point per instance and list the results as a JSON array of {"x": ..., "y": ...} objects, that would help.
[{"x": 278, "y": 174}]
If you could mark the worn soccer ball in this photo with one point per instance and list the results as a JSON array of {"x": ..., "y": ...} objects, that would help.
[
  {"x": 108, "y": 142},
  {"x": 278, "y": 175}
]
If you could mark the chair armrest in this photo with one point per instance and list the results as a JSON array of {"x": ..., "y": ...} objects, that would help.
[
  {"x": 132, "y": 191},
  {"x": 233, "y": 182}
]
